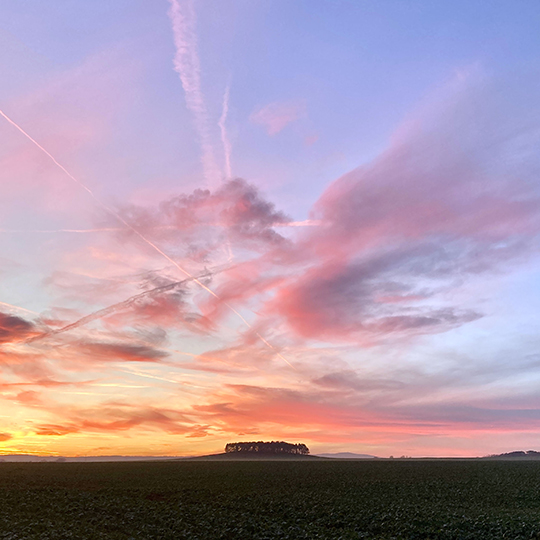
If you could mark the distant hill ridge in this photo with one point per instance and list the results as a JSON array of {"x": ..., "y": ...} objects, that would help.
[
  {"x": 347, "y": 455},
  {"x": 518, "y": 454}
]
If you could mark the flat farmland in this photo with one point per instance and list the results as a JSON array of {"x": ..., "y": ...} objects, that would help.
[{"x": 409, "y": 499}]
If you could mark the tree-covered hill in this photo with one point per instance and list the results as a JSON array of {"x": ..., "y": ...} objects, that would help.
[{"x": 273, "y": 447}]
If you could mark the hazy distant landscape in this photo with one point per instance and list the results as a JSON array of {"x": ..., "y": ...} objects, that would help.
[{"x": 29, "y": 458}]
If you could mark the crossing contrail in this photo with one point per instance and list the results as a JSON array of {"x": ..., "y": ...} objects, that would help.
[
  {"x": 110, "y": 309},
  {"x": 115, "y": 214}
]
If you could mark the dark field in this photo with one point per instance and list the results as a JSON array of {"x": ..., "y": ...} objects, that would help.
[{"x": 271, "y": 500}]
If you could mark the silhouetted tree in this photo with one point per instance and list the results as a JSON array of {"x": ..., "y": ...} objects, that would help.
[{"x": 274, "y": 447}]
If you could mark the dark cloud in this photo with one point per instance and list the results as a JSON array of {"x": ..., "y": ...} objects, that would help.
[
  {"x": 201, "y": 221},
  {"x": 350, "y": 380},
  {"x": 14, "y": 328},
  {"x": 247, "y": 215},
  {"x": 126, "y": 352},
  {"x": 367, "y": 299}
]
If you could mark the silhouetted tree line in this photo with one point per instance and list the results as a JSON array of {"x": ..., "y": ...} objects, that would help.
[{"x": 274, "y": 447}]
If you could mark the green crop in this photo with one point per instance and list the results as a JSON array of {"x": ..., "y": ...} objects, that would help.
[{"x": 465, "y": 500}]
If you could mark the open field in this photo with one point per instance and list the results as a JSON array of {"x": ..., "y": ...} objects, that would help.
[
  {"x": 254, "y": 456},
  {"x": 271, "y": 500}
]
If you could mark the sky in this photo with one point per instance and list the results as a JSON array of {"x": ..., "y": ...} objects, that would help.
[{"x": 306, "y": 220}]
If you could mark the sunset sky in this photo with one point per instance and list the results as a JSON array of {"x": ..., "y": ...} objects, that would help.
[{"x": 306, "y": 220}]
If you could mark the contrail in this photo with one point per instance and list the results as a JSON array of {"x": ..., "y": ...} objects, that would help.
[
  {"x": 51, "y": 231},
  {"x": 11, "y": 306},
  {"x": 137, "y": 233},
  {"x": 226, "y": 152},
  {"x": 230, "y": 255},
  {"x": 89, "y": 231},
  {"x": 146, "y": 375},
  {"x": 305, "y": 223},
  {"x": 224, "y": 135},
  {"x": 187, "y": 65},
  {"x": 107, "y": 208},
  {"x": 110, "y": 309},
  {"x": 118, "y": 306}
]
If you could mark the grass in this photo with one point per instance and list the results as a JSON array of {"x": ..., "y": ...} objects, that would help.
[{"x": 271, "y": 500}]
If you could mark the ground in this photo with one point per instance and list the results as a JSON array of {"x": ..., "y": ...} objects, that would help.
[{"x": 303, "y": 499}]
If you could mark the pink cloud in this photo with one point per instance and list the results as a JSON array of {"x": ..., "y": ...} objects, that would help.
[
  {"x": 445, "y": 200},
  {"x": 310, "y": 140},
  {"x": 435, "y": 205},
  {"x": 274, "y": 117},
  {"x": 328, "y": 415},
  {"x": 29, "y": 398},
  {"x": 203, "y": 219}
]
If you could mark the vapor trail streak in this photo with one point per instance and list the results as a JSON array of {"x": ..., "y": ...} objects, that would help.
[
  {"x": 305, "y": 223},
  {"x": 108, "y": 310},
  {"x": 51, "y": 231},
  {"x": 110, "y": 210},
  {"x": 139, "y": 234},
  {"x": 11, "y": 306},
  {"x": 145, "y": 375},
  {"x": 187, "y": 65},
  {"x": 224, "y": 136},
  {"x": 86, "y": 231}
]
